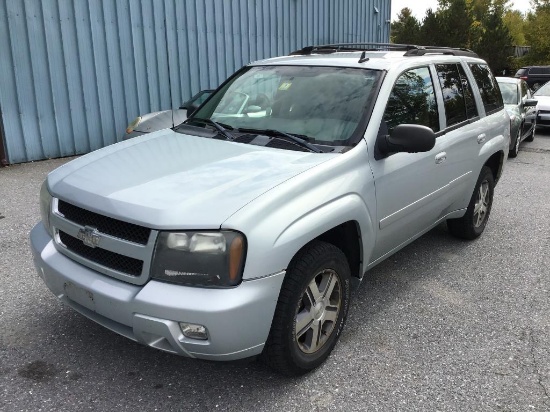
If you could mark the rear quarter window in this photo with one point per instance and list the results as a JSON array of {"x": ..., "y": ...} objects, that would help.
[{"x": 488, "y": 87}]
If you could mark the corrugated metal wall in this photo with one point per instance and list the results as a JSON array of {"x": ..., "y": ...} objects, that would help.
[{"x": 74, "y": 73}]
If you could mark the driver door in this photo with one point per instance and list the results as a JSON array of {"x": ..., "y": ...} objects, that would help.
[{"x": 409, "y": 186}]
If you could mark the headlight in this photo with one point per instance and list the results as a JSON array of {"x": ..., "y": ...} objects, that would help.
[
  {"x": 133, "y": 125},
  {"x": 209, "y": 259},
  {"x": 45, "y": 206}
]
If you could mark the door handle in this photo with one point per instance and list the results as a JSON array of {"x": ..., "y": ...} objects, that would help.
[
  {"x": 481, "y": 138},
  {"x": 440, "y": 157}
]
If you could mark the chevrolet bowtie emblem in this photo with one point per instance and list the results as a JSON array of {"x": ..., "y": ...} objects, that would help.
[{"x": 90, "y": 236}]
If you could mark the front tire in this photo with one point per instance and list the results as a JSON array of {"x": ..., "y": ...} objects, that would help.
[
  {"x": 531, "y": 136},
  {"x": 311, "y": 310},
  {"x": 473, "y": 223},
  {"x": 515, "y": 150}
]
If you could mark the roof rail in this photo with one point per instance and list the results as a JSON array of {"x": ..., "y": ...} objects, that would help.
[{"x": 409, "y": 49}]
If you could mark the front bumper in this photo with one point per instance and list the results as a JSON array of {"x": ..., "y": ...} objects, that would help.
[{"x": 237, "y": 319}]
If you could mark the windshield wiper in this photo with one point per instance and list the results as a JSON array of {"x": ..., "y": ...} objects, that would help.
[
  {"x": 278, "y": 134},
  {"x": 220, "y": 127}
]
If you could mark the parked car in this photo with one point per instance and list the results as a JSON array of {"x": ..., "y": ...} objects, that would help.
[
  {"x": 522, "y": 111},
  {"x": 535, "y": 76},
  {"x": 152, "y": 122},
  {"x": 233, "y": 236},
  {"x": 543, "y": 106}
]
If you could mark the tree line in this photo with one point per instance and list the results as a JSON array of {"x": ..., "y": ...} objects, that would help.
[{"x": 488, "y": 27}]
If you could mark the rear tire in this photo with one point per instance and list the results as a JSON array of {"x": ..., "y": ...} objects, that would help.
[
  {"x": 311, "y": 310},
  {"x": 473, "y": 223}
]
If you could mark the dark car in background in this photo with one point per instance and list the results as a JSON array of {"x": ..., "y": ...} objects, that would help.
[
  {"x": 535, "y": 76},
  {"x": 151, "y": 122},
  {"x": 521, "y": 109}
]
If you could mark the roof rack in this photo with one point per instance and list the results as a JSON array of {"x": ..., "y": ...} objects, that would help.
[{"x": 409, "y": 49}]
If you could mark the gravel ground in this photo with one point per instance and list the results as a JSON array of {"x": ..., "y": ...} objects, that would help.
[{"x": 443, "y": 325}]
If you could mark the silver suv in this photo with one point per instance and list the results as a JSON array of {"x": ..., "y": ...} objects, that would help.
[{"x": 241, "y": 232}]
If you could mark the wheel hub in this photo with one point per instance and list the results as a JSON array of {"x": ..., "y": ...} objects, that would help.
[{"x": 319, "y": 309}]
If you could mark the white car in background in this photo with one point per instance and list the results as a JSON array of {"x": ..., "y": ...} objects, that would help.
[{"x": 543, "y": 106}]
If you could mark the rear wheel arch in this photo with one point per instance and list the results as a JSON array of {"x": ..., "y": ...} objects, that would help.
[{"x": 495, "y": 163}]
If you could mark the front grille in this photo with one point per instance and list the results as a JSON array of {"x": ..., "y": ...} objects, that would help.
[
  {"x": 102, "y": 257},
  {"x": 104, "y": 224}
]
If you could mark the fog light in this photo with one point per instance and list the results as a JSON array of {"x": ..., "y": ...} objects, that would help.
[{"x": 193, "y": 331}]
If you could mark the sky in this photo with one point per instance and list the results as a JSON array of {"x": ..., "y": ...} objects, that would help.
[{"x": 419, "y": 7}]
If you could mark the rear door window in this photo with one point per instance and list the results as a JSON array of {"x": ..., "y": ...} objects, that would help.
[
  {"x": 471, "y": 108},
  {"x": 453, "y": 93},
  {"x": 488, "y": 87}
]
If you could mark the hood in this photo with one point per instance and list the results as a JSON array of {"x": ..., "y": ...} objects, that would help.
[
  {"x": 543, "y": 102},
  {"x": 151, "y": 122},
  {"x": 168, "y": 180}
]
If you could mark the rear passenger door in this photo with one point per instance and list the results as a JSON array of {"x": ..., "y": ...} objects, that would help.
[{"x": 463, "y": 133}]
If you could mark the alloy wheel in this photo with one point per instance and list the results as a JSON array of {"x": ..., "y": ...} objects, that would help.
[
  {"x": 317, "y": 311},
  {"x": 481, "y": 204}
]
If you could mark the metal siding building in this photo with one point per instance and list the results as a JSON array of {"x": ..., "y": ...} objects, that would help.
[{"x": 74, "y": 73}]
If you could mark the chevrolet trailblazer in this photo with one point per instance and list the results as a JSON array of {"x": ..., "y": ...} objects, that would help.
[{"x": 241, "y": 231}]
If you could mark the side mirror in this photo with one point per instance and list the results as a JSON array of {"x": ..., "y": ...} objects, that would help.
[
  {"x": 530, "y": 102},
  {"x": 409, "y": 138}
]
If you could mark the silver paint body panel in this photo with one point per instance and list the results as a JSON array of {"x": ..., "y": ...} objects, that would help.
[{"x": 280, "y": 200}]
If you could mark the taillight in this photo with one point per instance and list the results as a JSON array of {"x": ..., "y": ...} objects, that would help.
[{"x": 523, "y": 77}]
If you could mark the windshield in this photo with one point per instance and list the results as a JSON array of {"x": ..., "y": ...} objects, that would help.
[
  {"x": 323, "y": 105},
  {"x": 544, "y": 90},
  {"x": 509, "y": 92}
]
